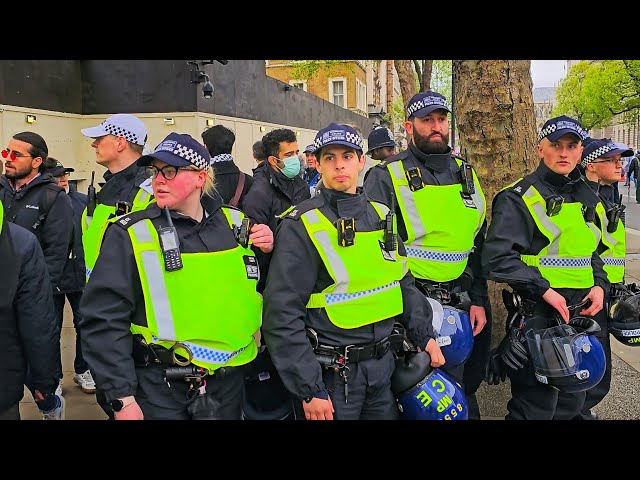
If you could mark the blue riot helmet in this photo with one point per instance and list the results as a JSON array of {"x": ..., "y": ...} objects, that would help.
[
  {"x": 265, "y": 396},
  {"x": 454, "y": 332},
  {"x": 624, "y": 319},
  {"x": 568, "y": 357},
  {"x": 424, "y": 392}
]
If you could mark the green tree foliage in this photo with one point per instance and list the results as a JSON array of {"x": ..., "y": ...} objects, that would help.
[
  {"x": 306, "y": 69},
  {"x": 596, "y": 91}
]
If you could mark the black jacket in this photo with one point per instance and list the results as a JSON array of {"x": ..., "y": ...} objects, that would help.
[
  {"x": 122, "y": 186},
  {"x": 55, "y": 232},
  {"x": 73, "y": 276},
  {"x": 271, "y": 194},
  {"x": 227, "y": 175},
  {"x": 609, "y": 197},
  {"x": 28, "y": 329},
  {"x": 297, "y": 271},
  {"x": 513, "y": 232},
  {"x": 113, "y": 298},
  {"x": 436, "y": 169}
]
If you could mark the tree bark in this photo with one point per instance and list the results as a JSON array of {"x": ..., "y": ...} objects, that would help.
[
  {"x": 495, "y": 119},
  {"x": 407, "y": 79}
]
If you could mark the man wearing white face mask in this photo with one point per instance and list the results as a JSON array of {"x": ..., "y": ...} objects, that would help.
[{"x": 277, "y": 185}]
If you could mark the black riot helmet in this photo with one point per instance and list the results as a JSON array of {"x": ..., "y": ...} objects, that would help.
[
  {"x": 265, "y": 396},
  {"x": 624, "y": 319}
]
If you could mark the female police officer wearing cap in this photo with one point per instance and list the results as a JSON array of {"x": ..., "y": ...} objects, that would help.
[
  {"x": 341, "y": 291},
  {"x": 167, "y": 320}
]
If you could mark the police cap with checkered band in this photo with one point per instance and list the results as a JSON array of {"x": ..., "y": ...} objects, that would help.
[
  {"x": 179, "y": 150},
  {"x": 556, "y": 127},
  {"x": 120, "y": 125},
  {"x": 423, "y": 103},
  {"x": 595, "y": 148},
  {"x": 337, "y": 134}
]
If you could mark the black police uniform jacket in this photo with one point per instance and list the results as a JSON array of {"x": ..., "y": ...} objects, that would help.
[
  {"x": 28, "y": 330},
  {"x": 513, "y": 232},
  {"x": 121, "y": 186},
  {"x": 74, "y": 274},
  {"x": 270, "y": 195},
  {"x": 113, "y": 297},
  {"x": 436, "y": 169},
  {"x": 297, "y": 271},
  {"x": 227, "y": 175},
  {"x": 55, "y": 232}
]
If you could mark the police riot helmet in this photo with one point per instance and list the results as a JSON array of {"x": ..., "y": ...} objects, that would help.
[
  {"x": 454, "y": 332},
  {"x": 568, "y": 357},
  {"x": 265, "y": 396},
  {"x": 624, "y": 319},
  {"x": 424, "y": 392}
]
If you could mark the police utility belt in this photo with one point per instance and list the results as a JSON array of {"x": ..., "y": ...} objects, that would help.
[{"x": 336, "y": 356}]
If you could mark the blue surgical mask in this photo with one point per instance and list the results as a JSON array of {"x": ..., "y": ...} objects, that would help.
[{"x": 291, "y": 166}]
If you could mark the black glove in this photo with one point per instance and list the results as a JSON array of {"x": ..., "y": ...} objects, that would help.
[
  {"x": 494, "y": 370},
  {"x": 512, "y": 349}
]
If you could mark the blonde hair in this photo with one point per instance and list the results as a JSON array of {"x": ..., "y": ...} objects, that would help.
[{"x": 209, "y": 183}]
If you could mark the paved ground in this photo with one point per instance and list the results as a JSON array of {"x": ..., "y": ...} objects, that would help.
[{"x": 621, "y": 403}]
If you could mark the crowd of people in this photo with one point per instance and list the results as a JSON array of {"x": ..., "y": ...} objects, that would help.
[{"x": 336, "y": 282}]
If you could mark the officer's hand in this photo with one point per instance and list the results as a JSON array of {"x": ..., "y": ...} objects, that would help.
[
  {"x": 318, "y": 409},
  {"x": 262, "y": 237},
  {"x": 558, "y": 302},
  {"x": 130, "y": 412},
  {"x": 433, "y": 349},
  {"x": 596, "y": 295},
  {"x": 494, "y": 370},
  {"x": 478, "y": 318}
]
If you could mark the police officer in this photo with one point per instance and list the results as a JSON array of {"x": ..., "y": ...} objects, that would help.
[
  {"x": 602, "y": 161},
  {"x": 441, "y": 218},
  {"x": 311, "y": 173},
  {"x": 337, "y": 282},
  {"x": 167, "y": 341},
  {"x": 381, "y": 144},
  {"x": 543, "y": 242}
]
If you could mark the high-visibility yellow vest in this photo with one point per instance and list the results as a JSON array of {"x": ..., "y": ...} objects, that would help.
[
  {"x": 566, "y": 261},
  {"x": 210, "y": 305},
  {"x": 366, "y": 277},
  {"x": 616, "y": 243},
  {"x": 93, "y": 227},
  {"x": 440, "y": 228}
]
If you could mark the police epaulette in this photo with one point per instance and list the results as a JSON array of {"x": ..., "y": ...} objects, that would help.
[
  {"x": 294, "y": 212},
  {"x": 520, "y": 186},
  {"x": 130, "y": 218},
  {"x": 394, "y": 158}
]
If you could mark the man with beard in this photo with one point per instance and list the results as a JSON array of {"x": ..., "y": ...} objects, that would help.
[
  {"x": 33, "y": 200},
  {"x": 441, "y": 220}
]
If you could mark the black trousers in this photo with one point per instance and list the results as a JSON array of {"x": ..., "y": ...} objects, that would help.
[
  {"x": 369, "y": 395},
  {"x": 79, "y": 364},
  {"x": 474, "y": 367},
  {"x": 11, "y": 413},
  {"x": 161, "y": 401}
]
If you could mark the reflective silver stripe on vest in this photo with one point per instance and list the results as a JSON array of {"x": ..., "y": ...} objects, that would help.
[
  {"x": 596, "y": 231},
  {"x": 608, "y": 237},
  {"x": 206, "y": 354},
  {"x": 565, "y": 262},
  {"x": 409, "y": 201},
  {"x": 236, "y": 216},
  {"x": 343, "y": 297},
  {"x": 335, "y": 262},
  {"x": 155, "y": 278},
  {"x": 613, "y": 262},
  {"x": 541, "y": 214},
  {"x": 435, "y": 256},
  {"x": 144, "y": 196},
  {"x": 480, "y": 203}
]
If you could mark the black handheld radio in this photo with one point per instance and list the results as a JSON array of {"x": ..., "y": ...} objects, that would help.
[
  {"x": 170, "y": 244},
  {"x": 91, "y": 196},
  {"x": 243, "y": 231},
  {"x": 466, "y": 176},
  {"x": 390, "y": 239}
]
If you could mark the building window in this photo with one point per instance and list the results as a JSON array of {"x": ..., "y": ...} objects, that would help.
[
  {"x": 301, "y": 84},
  {"x": 361, "y": 96},
  {"x": 338, "y": 91}
]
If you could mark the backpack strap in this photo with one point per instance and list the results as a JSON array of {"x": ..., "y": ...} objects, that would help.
[
  {"x": 236, "y": 197},
  {"x": 50, "y": 194}
]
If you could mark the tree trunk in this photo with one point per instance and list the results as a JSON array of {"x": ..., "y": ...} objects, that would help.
[
  {"x": 496, "y": 125},
  {"x": 407, "y": 79},
  {"x": 427, "y": 68}
]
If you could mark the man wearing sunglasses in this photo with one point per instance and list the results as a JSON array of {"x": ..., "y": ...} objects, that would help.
[
  {"x": 33, "y": 200},
  {"x": 602, "y": 163}
]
